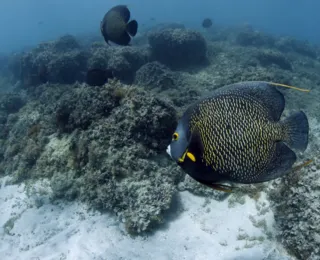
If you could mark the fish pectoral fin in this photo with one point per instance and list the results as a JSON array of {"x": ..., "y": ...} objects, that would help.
[{"x": 195, "y": 146}]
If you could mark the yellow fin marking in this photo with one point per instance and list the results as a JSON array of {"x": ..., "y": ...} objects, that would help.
[
  {"x": 191, "y": 157},
  {"x": 287, "y": 86},
  {"x": 182, "y": 157}
]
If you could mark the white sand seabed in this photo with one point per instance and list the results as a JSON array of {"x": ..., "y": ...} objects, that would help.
[{"x": 206, "y": 229}]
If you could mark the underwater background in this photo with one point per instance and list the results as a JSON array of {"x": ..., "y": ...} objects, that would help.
[
  {"x": 25, "y": 23},
  {"x": 84, "y": 172}
]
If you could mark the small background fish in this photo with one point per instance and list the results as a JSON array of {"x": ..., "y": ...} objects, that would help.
[{"x": 206, "y": 23}]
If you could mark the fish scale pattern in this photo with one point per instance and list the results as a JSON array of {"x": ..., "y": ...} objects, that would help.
[{"x": 237, "y": 138}]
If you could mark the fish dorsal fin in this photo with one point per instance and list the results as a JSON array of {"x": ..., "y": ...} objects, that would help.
[
  {"x": 261, "y": 91},
  {"x": 123, "y": 11}
]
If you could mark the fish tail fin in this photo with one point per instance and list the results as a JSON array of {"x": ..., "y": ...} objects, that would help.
[
  {"x": 132, "y": 27},
  {"x": 297, "y": 131}
]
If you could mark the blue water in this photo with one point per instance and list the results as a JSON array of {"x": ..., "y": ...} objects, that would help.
[{"x": 19, "y": 19}]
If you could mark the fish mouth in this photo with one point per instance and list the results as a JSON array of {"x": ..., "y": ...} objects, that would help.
[{"x": 169, "y": 151}]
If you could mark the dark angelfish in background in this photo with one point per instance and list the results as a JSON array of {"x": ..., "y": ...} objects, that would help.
[{"x": 115, "y": 26}]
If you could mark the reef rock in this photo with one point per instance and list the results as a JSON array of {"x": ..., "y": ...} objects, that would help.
[
  {"x": 251, "y": 37},
  {"x": 296, "y": 210},
  {"x": 155, "y": 75},
  {"x": 102, "y": 145},
  {"x": 124, "y": 61},
  {"x": 268, "y": 57},
  {"x": 64, "y": 61},
  {"x": 61, "y": 61},
  {"x": 66, "y": 43},
  {"x": 163, "y": 26},
  {"x": 11, "y": 102},
  {"x": 178, "y": 48},
  {"x": 288, "y": 44}
]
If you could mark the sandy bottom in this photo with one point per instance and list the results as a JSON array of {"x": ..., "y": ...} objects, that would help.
[{"x": 33, "y": 228}]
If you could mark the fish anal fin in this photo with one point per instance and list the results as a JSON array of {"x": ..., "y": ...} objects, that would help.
[
  {"x": 280, "y": 165},
  {"x": 124, "y": 39}
]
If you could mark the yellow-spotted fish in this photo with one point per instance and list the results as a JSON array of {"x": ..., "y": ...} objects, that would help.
[{"x": 236, "y": 136}]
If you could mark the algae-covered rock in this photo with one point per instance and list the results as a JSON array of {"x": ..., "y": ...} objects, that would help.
[
  {"x": 155, "y": 75},
  {"x": 268, "y": 57},
  {"x": 105, "y": 146},
  {"x": 251, "y": 37},
  {"x": 64, "y": 61},
  {"x": 11, "y": 102},
  {"x": 296, "y": 204},
  {"x": 61, "y": 61},
  {"x": 289, "y": 44},
  {"x": 178, "y": 48},
  {"x": 123, "y": 61},
  {"x": 66, "y": 43},
  {"x": 297, "y": 214}
]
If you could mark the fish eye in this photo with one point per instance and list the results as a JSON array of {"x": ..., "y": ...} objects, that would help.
[{"x": 175, "y": 136}]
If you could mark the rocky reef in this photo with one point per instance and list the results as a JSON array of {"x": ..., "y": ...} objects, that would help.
[
  {"x": 65, "y": 61},
  {"x": 269, "y": 57},
  {"x": 178, "y": 48},
  {"x": 297, "y": 213},
  {"x": 106, "y": 145},
  {"x": 155, "y": 75},
  {"x": 124, "y": 61},
  {"x": 296, "y": 204}
]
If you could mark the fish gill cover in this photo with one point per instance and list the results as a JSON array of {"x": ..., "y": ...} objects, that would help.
[{"x": 105, "y": 145}]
